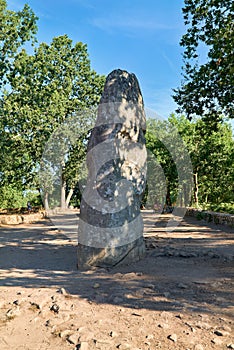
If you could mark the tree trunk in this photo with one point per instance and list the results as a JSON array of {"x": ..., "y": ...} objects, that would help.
[
  {"x": 46, "y": 201},
  {"x": 63, "y": 194},
  {"x": 168, "y": 195},
  {"x": 195, "y": 189},
  {"x": 69, "y": 197},
  {"x": 184, "y": 195}
]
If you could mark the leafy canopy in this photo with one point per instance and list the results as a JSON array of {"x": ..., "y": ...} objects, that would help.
[
  {"x": 208, "y": 88},
  {"x": 16, "y": 29},
  {"x": 53, "y": 84},
  {"x": 39, "y": 92},
  {"x": 211, "y": 153}
]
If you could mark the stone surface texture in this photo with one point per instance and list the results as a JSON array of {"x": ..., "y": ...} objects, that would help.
[
  {"x": 16, "y": 219},
  {"x": 210, "y": 216},
  {"x": 110, "y": 225}
]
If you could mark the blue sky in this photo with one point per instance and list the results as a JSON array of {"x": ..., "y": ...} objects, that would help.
[{"x": 139, "y": 36}]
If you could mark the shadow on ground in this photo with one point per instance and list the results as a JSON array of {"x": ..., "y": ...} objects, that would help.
[{"x": 191, "y": 268}]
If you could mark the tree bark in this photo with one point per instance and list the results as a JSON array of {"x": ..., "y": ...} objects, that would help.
[
  {"x": 195, "y": 189},
  {"x": 69, "y": 197},
  {"x": 63, "y": 194},
  {"x": 46, "y": 201}
]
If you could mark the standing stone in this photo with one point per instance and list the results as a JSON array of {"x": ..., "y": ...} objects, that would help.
[{"x": 110, "y": 226}]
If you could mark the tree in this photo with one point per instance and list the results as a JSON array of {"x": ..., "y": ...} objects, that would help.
[
  {"x": 13, "y": 197},
  {"x": 16, "y": 29},
  {"x": 212, "y": 156},
  {"x": 63, "y": 164},
  {"x": 47, "y": 88},
  {"x": 155, "y": 134},
  {"x": 207, "y": 89},
  {"x": 211, "y": 153},
  {"x": 169, "y": 167}
]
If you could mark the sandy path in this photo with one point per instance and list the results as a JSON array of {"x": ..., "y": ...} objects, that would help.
[{"x": 179, "y": 297}]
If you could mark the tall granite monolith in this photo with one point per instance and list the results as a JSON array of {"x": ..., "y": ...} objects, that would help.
[{"x": 110, "y": 226}]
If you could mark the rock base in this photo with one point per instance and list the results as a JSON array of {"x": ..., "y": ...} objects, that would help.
[
  {"x": 109, "y": 257},
  {"x": 15, "y": 219}
]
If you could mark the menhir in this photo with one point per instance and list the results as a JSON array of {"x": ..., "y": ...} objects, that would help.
[{"x": 110, "y": 226}]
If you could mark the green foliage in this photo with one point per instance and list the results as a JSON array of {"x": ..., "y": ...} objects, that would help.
[
  {"x": 207, "y": 89},
  {"x": 169, "y": 167},
  {"x": 34, "y": 197},
  {"x": 11, "y": 197},
  {"x": 212, "y": 156},
  {"x": 16, "y": 29},
  {"x": 45, "y": 89},
  {"x": 220, "y": 207},
  {"x": 211, "y": 153},
  {"x": 200, "y": 215},
  {"x": 63, "y": 160},
  {"x": 156, "y": 131}
]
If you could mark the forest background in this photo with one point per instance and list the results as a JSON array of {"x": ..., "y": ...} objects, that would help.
[{"x": 45, "y": 86}]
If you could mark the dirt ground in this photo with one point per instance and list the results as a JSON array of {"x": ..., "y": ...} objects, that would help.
[{"x": 179, "y": 297}]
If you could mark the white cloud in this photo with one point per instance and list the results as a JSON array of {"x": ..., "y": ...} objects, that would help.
[
  {"x": 170, "y": 63},
  {"x": 129, "y": 23}
]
